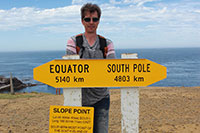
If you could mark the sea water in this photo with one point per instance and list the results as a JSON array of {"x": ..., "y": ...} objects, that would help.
[{"x": 183, "y": 65}]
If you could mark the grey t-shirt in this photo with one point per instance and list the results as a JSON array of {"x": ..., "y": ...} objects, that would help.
[{"x": 91, "y": 95}]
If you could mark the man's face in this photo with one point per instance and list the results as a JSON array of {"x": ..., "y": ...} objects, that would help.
[{"x": 90, "y": 26}]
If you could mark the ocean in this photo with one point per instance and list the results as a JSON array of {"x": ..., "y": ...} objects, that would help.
[{"x": 183, "y": 65}]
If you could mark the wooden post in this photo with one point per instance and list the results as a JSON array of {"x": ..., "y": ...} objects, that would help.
[
  {"x": 130, "y": 105},
  {"x": 11, "y": 85},
  {"x": 72, "y": 96}
]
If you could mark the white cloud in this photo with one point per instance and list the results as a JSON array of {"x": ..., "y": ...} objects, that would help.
[
  {"x": 16, "y": 18},
  {"x": 81, "y": 2},
  {"x": 78, "y": 1},
  {"x": 65, "y": 28},
  {"x": 115, "y": 18},
  {"x": 138, "y": 2},
  {"x": 115, "y": 2},
  {"x": 197, "y": 11}
]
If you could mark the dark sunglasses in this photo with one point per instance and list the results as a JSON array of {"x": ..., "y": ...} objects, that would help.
[{"x": 89, "y": 19}]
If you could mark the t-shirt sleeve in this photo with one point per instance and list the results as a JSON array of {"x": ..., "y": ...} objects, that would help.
[
  {"x": 71, "y": 47},
  {"x": 111, "y": 50}
]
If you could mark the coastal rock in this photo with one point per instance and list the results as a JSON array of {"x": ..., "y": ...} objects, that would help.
[{"x": 17, "y": 84}]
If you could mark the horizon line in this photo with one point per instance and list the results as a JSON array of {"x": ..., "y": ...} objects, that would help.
[{"x": 115, "y": 49}]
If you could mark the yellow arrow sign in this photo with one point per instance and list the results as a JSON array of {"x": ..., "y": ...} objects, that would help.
[{"x": 100, "y": 73}]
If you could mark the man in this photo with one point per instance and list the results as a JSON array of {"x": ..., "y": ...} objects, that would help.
[{"x": 89, "y": 46}]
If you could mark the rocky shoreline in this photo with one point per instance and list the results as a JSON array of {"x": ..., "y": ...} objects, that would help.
[{"x": 17, "y": 84}]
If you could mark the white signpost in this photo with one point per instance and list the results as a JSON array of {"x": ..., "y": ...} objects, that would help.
[
  {"x": 72, "y": 96},
  {"x": 130, "y": 105}
]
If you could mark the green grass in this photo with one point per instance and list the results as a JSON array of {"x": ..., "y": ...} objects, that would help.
[{"x": 9, "y": 96}]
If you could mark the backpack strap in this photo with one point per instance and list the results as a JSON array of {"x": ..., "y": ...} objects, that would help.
[
  {"x": 79, "y": 44},
  {"x": 103, "y": 46},
  {"x": 102, "y": 41}
]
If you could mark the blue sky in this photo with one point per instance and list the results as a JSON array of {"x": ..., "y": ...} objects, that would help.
[{"x": 34, "y": 25}]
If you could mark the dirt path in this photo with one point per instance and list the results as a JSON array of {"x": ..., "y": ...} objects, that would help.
[{"x": 162, "y": 109}]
